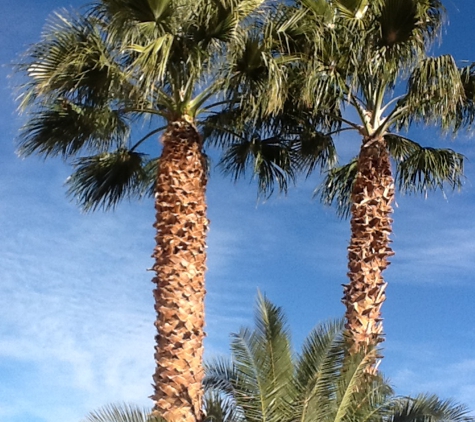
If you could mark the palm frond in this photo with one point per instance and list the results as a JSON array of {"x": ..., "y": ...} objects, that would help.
[
  {"x": 427, "y": 169},
  {"x": 400, "y": 147},
  {"x": 355, "y": 384},
  {"x": 121, "y": 413},
  {"x": 72, "y": 61},
  {"x": 408, "y": 27},
  {"x": 258, "y": 76},
  {"x": 352, "y": 9},
  {"x": 259, "y": 381},
  {"x": 337, "y": 186},
  {"x": 314, "y": 150},
  {"x": 466, "y": 112},
  {"x": 270, "y": 159},
  {"x": 435, "y": 94},
  {"x": 102, "y": 180},
  {"x": 219, "y": 408},
  {"x": 221, "y": 376},
  {"x": 429, "y": 408},
  {"x": 317, "y": 368},
  {"x": 65, "y": 128},
  {"x": 397, "y": 21}
]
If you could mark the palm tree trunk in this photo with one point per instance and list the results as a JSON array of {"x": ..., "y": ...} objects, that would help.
[
  {"x": 180, "y": 264},
  {"x": 368, "y": 252}
]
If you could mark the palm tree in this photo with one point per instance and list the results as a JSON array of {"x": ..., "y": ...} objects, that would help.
[
  {"x": 90, "y": 80},
  {"x": 266, "y": 381},
  {"x": 349, "y": 66}
]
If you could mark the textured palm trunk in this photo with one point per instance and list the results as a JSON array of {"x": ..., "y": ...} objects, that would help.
[
  {"x": 180, "y": 264},
  {"x": 369, "y": 249}
]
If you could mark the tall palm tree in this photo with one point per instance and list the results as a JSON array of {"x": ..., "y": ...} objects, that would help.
[
  {"x": 356, "y": 66},
  {"x": 90, "y": 81},
  {"x": 266, "y": 381}
]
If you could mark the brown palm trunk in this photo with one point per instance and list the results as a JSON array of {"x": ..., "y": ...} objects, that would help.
[
  {"x": 180, "y": 264},
  {"x": 373, "y": 193}
]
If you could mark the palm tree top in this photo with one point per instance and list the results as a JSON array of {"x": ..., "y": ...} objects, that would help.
[{"x": 101, "y": 83}]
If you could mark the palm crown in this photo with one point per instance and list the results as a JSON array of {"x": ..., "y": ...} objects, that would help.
[{"x": 94, "y": 76}]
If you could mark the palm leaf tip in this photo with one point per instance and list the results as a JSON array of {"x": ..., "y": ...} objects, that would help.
[{"x": 101, "y": 181}]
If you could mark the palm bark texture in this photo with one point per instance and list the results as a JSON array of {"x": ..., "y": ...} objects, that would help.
[
  {"x": 180, "y": 264},
  {"x": 369, "y": 250}
]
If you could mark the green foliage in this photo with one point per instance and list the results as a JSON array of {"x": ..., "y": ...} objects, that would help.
[
  {"x": 102, "y": 180},
  {"x": 121, "y": 413},
  {"x": 266, "y": 381},
  {"x": 95, "y": 76}
]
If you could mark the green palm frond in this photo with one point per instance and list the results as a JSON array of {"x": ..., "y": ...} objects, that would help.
[
  {"x": 140, "y": 10},
  {"x": 323, "y": 383},
  {"x": 102, "y": 180},
  {"x": 218, "y": 20},
  {"x": 218, "y": 408},
  {"x": 121, "y": 413},
  {"x": 223, "y": 128},
  {"x": 314, "y": 150},
  {"x": 337, "y": 186},
  {"x": 362, "y": 396},
  {"x": 151, "y": 60},
  {"x": 435, "y": 94},
  {"x": 400, "y": 147},
  {"x": 398, "y": 20},
  {"x": 222, "y": 375},
  {"x": 410, "y": 23},
  {"x": 322, "y": 9},
  {"x": 132, "y": 22},
  {"x": 260, "y": 377},
  {"x": 352, "y": 9},
  {"x": 317, "y": 368},
  {"x": 72, "y": 61},
  {"x": 66, "y": 128},
  {"x": 258, "y": 78},
  {"x": 323, "y": 344},
  {"x": 429, "y": 169},
  {"x": 466, "y": 112},
  {"x": 429, "y": 408},
  {"x": 270, "y": 159}
]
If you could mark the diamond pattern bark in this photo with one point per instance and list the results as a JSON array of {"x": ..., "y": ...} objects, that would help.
[
  {"x": 180, "y": 264},
  {"x": 369, "y": 249}
]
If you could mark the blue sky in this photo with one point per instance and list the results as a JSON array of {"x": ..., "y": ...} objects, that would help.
[{"x": 76, "y": 307}]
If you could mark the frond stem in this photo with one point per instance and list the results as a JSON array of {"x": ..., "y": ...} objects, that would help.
[
  {"x": 341, "y": 130},
  {"x": 148, "y": 135},
  {"x": 144, "y": 110}
]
